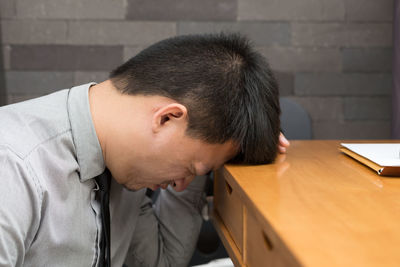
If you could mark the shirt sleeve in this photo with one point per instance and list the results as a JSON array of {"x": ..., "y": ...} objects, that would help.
[
  {"x": 166, "y": 234},
  {"x": 19, "y": 209}
]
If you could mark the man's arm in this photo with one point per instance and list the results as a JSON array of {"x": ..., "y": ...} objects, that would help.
[
  {"x": 19, "y": 209},
  {"x": 167, "y": 234}
]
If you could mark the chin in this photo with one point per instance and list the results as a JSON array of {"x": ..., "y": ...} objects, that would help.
[
  {"x": 133, "y": 188},
  {"x": 130, "y": 189}
]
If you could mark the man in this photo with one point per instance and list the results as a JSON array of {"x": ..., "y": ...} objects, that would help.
[{"x": 176, "y": 111}]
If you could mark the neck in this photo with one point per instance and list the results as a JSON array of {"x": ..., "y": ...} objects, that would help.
[{"x": 101, "y": 99}]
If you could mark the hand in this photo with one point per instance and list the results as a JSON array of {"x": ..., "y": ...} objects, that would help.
[{"x": 283, "y": 144}]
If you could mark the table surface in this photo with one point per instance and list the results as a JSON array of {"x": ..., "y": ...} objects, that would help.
[{"x": 328, "y": 209}]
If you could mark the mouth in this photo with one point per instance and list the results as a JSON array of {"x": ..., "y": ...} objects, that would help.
[{"x": 163, "y": 185}]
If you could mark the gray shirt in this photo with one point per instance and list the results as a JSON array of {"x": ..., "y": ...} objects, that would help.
[{"x": 49, "y": 156}]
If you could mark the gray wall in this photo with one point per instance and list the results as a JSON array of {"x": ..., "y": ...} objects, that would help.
[
  {"x": 396, "y": 73},
  {"x": 331, "y": 56}
]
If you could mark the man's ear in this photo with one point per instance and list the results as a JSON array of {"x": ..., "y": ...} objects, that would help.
[{"x": 169, "y": 113}]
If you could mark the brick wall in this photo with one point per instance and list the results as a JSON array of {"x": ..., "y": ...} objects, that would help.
[{"x": 331, "y": 56}]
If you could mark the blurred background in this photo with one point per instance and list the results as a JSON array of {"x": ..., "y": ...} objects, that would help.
[{"x": 332, "y": 57}]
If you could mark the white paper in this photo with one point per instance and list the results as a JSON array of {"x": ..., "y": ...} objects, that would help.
[
  {"x": 381, "y": 154},
  {"x": 225, "y": 262}
]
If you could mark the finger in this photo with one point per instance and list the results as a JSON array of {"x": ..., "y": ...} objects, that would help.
[{"x": 283, "y": 141}]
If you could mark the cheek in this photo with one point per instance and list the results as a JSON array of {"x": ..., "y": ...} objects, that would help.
[
  {"x": 151, "y": 173},
  {"x": 168, "y": 166}
]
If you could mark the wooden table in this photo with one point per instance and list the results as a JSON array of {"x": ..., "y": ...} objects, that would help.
[{"x": 313, "y": 207}]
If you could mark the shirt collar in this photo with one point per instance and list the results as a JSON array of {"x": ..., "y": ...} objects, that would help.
[{"x": 87, "y": 146}]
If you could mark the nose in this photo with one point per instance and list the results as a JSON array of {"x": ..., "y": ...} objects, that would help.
[{"x": 179, "y": 185}]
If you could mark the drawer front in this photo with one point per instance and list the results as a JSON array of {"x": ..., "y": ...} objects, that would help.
[
  {"x": 262, "y": 247},
  {"x": 229, "y": 207}
]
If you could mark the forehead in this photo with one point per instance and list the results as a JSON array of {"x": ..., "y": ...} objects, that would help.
[{"x": 221, "y": 152}]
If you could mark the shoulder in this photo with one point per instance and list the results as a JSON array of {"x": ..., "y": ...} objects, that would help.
[
  {"x": 30, "y": 123},
  {"x": 16, "y": 176}
]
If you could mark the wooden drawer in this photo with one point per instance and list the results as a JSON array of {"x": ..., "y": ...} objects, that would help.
[
  {"x": 229, "y": 207},
  {"x": 263, "y": 247}
]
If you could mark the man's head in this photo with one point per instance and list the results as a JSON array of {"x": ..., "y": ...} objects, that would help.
[
  {"x": 226, "y": 86},
  {"x": 185, "y": 106}
]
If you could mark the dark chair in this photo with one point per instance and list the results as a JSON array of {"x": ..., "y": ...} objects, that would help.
[{"x": 295, "y": 121}]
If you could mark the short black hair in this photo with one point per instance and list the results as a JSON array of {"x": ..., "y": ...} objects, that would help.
[{"x": 227, "y": 87}]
